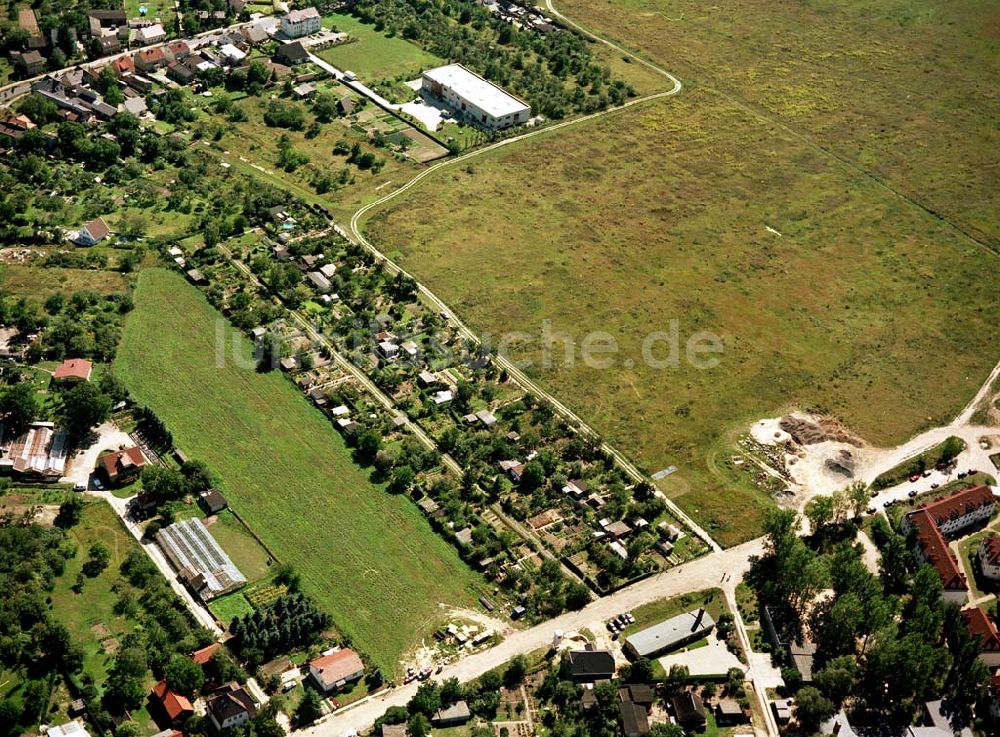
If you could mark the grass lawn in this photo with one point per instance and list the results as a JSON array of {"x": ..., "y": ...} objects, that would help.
[
  {"x": 245, "y": 552},
  {"x": 657, "y": 611},
  {"x": 227, "y": 607},
  {"x": 42, "y": 282},
  {"x": 366, "y": 556},
  {"x": 162, "y": 9},
  {"x": 861, "y": 308},
  {"x": 375, "y": 56},
  {"x": 84, "y": 613}
]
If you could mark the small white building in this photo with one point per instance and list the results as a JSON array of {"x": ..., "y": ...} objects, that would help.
[
  {"x": 478, "y": 101},
  {"x": 232, "y": 54},
  {"x": 299, "y": 23}
]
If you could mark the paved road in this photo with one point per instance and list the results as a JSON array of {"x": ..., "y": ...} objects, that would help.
[{"x": 702, "y": 573}]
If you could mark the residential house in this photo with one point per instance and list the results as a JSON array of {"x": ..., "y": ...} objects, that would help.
[
  {"x": 947, "y": 516},
  {"x": 989, "y": 557},
  {"x": 638, "y": 693},
  {"x": 981, "y": 626},
  {"x": 635, "y": 719},
  {"x": 689, "y": 711},
  {"x": 292, "y": 54},
  {"x": 486, "y": 417},
  {"x": 335, "y": 670},
  {"x": 28, "y": 63},
  {"x": 587, "y": 666},
  {"x": 123, "y": 65},
  {"x": 346, "y": 105},
  {"x": 782, "y": 709},
  {"x": 175, "y": 706},
  {"x": 299, "y": 23},
  {"x": 255, "y": 33},
  {"x": 452, "y": 716},
  {"x": 576, "y": 488},
  {"x": 147, "y": 35},
  {"x": 425, "y": 378},
  {"x": 149, "y": 60},
  {"x": 177, "y": 50},
  {"x": 72, "y": 371},
  {"x": 122, "y": 466},
  {"x": 231, "y": 708}
]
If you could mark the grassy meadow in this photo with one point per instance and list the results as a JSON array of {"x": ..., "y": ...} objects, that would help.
[
  {"x": 90, "y": 614},
  {"x": 861, "y": 305},
  {"x": 33, "y": 281},
  {"x": 898, "y": 89},
  {"x": 374, "y": 56},
  {"x": 366, "y": 556}
]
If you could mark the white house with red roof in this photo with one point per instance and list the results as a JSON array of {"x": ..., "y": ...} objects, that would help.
[
  {"x": 944, "y": 517},
  {"x": 989, "y": 557},
  {"x": 93, "y": 232},
  {"x": 335, "y": 670}
]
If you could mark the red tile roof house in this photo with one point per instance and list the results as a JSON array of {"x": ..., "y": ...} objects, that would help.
[
  {"x": 73, "y": 370},
  {"x": 947, "y": 516},
  {"x": 981, "y": 625},
  {"x": 989, "y": 557},
  {"x": 122, "y": 466},
  {"x": 150, "y": 59},
  {"x": 93, "y": 232},
  {"x": 334, "y": 671},
  {"x": 174, "y": 705},
  {"x": 202, "y": 656}
]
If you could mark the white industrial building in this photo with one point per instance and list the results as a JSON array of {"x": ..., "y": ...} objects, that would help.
[{"x": 478, "y": 101}]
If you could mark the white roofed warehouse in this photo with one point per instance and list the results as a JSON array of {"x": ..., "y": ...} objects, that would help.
[
  {"x": 199, "y": 560},
  {"x": 473, "y": 98}
]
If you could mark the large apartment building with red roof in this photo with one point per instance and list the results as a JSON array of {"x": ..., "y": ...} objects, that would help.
[{"x": 935, "y": 521}]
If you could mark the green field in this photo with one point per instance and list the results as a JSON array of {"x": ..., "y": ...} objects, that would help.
[
  {"x": 369, "y": 558},
  {"x": 90, "y": 615},
  {"x": 375, "y": 56},
  {"x": 864, "y": 307},
  {"x": 39, "y": 282}
]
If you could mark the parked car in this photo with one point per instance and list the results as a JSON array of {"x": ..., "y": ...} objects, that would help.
[
  {"x": 914, "y": 478},
  {"x": 913, "y": 493},
  {"x": 927, "y": 473},
  {"x": 934, "y": 486}
]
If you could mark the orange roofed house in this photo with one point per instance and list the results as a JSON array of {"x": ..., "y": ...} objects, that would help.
[
  {"x": 947, "y": 516},
  {"x": 334, "y": 671},
  {"x": 122, "y": 466},
  {"x": 73, "y": 370},
  {"x": 93, "y": 232},
  {"x": 174, "y": 705}
]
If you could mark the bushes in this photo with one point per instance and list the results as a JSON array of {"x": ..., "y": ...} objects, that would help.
[{"x": 280, "y": 114}]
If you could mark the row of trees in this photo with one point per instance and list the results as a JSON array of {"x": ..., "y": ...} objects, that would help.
[{"x": 292, "y": 621}]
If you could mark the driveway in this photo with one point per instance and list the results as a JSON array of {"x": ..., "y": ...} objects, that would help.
[
  {"x": 82, "y": 463},
  {"x": 713, "y": 659}
]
